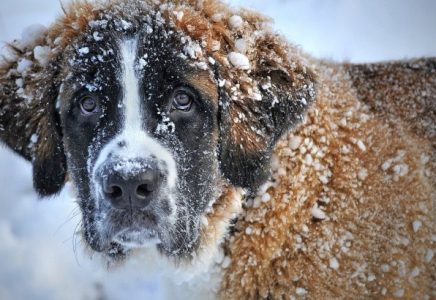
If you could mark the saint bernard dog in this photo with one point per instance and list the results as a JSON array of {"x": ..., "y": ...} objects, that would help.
[{"x": 193, "y": 130}]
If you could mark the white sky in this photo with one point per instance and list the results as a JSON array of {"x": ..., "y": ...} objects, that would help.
[{"x": 36, "y": 256}]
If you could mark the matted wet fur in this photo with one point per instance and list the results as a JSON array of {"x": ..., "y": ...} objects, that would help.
[{"x": 285, "y": 176}]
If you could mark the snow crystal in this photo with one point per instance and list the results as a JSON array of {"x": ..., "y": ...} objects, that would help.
[
  {"x": 235, "y": 22},
  {"x": 240, "y": 61},
  {"x": 425, "y": 159},
  {"x": 179, "y": 15},
  {"x": 266, "y": 197},
  {"x": 257, "y": 96},
  {"x": 399, "y": 293},
  {"x": 84, "y": 50},
  {"x": 34, "y": 138},
  {"x": 248, "y": 230},
  {"x": 429, "y": 255},
  {"x": 333, "y": 263},
  {"x": 193, "y": 50},
  {"x": 323, "y": 179},
  {"x": 24, "y": 65},
  {"x": 363, "y": 173},
  {"x": 142, "y": 63},
  {"x": 201, "y": 65},
  {"x": 125, "y": 25},
  {"x": 266, "y": 86},
  {"x": 32, "y": 35},
  {"x": 42, "y": 55},
  {"x": 294, "y": 142},
  {"x": 226, "y": 262},
  {"x": 385, "y": 268},
  {"x": 401, "y": 170},
  {"x": 308, "y": 159},
  {"x": 58, "y": 40},
  {"x": 415, "y": 272},
  {"x": 97, "y": 37},
  {"x": 317, "y": 213},
  {"x": 300, "y": 291},
  {"x": 219, "y": 257},
  {"x": 256, "y": 202},
  {"x": 241, "y": 46},
  {"x": 416, "y": 225},
  {"x": 211, "y": 60},
  {"x": 361, "y": 145},
  {"x": 216, "y": 18},
  {"x": 371, "y": 278},
  {"x": 216, "y": 46},
  {"x": 386, "y": 165},
  {"x": 384, "y": 291},
  {"x": 19, "y": 82}
]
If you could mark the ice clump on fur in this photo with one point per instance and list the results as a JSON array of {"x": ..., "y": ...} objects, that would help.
[
  {"x": 235, "y": 22},
  {"x": 239, "y": 61},
  {"x": 32, "y": 36},
  {"x": 24, "y": 65},
  {"x": 42, "y": 55}
]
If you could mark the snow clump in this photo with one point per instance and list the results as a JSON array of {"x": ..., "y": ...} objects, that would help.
[
  {"x": 42, "y": 55},
  {"x": 32, "y": 36},
  {"x": 241, "y": 45},
  {"x": 24, "y": 65},
  {"x": 239, "y": 61},
  {"x": 235, "y": 22}
]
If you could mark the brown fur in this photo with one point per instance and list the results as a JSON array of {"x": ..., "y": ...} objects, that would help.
[
  {"x": 365, "y": 156},
  {"x": 374, "y": 213}
]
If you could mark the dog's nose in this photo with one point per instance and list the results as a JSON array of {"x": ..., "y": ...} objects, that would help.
[{"x": 137, "y": 191}]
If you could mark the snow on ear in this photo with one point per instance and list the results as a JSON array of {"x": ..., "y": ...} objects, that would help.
[
  {"x": 261, "y": 99},
  {"x": 29, "y": 124}
]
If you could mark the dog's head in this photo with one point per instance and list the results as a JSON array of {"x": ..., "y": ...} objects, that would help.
[{"x": 153, "y": 110}]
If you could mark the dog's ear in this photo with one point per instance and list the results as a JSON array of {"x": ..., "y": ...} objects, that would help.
[
  {"x": 257, "y": 107},
  {"x": 29, "y": 123}
]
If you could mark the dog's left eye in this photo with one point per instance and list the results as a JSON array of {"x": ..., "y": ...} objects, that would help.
[
  {"x": 182, "y": 101},
  {"x": 88, "y": 105}
]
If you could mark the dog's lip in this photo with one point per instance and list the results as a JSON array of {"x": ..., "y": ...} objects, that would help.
[{"x": 134, "y": 237}]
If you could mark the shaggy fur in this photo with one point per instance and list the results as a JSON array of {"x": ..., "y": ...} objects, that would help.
[{"x": 349, "y": 210}]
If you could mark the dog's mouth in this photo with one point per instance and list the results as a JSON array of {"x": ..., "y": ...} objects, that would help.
[
  {"x": 136, "y": 237},
  {"x": 130, "y": 229}
]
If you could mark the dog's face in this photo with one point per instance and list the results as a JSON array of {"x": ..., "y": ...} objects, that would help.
[
  {"x": 151, "y": 120},
  {"x": 140, "y": 129}
]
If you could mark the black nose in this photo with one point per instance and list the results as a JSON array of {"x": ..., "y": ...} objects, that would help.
[{"x": 125, "y": 191}]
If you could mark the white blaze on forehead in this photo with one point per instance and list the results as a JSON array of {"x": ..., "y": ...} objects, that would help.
[{"x": 136, "y": 142}]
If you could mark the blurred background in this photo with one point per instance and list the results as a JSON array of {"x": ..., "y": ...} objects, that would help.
[{"x": 37, "y": 256}]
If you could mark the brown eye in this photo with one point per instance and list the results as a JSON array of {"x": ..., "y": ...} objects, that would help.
[
  {"x": 88, "y": 105},
  {"x": 182, "y": 101}
]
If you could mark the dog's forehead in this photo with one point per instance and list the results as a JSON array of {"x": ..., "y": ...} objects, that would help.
[{"x": 94, "y": 61}]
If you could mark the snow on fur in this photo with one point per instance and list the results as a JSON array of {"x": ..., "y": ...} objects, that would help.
[{"x": 319, "y": 227}]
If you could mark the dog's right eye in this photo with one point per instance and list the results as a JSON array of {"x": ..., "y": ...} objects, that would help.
[{"x": 88, "y": 105}]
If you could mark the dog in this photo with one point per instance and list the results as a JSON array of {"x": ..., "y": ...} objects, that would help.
[{"x": 195, "y": 133}]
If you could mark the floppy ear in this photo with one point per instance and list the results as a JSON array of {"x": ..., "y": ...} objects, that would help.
[
  {"x": 257, "y": 108},
  {"x": 28, "y": 120}
]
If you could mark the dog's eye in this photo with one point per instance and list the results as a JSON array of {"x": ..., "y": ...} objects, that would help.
[
  {"x": 182, "y": 101},
  {"x": 88, "y": 105}
]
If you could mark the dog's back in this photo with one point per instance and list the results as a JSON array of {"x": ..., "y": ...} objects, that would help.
[{"x": 350, "y": 212}]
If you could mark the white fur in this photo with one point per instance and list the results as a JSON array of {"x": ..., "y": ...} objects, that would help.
[{"x": 138, "y": 144}]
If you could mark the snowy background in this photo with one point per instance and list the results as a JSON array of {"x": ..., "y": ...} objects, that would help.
[{"x": 37, "y": 260}]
